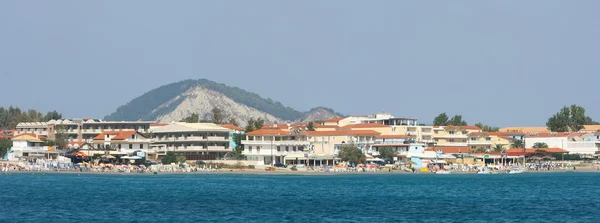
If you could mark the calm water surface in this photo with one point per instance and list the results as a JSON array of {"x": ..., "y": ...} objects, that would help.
[{"x": 529, "y": 197}]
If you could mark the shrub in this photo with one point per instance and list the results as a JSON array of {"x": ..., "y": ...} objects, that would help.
[
  {"x": 294, "y": 168},
  {"x": 251, "y": 167}
]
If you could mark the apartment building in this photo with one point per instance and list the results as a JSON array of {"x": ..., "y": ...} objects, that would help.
[
  {"x": 121, "y": 142},
  {"x": 403, "y": 145},
  {"x": 453, "y": 135},
  {"x": 330, "y": 142},
  {"x": 486, "y": 141},
  {"x": 574, "y": 142},
  {"x": 270, "y": 146},
  {"x": 80, "y": 129},
  {"x": 29, "y": 146},
  {"x": 195, "y": 141}
]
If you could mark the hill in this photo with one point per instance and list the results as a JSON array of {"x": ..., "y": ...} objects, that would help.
[{"x": 173, "y": 102}]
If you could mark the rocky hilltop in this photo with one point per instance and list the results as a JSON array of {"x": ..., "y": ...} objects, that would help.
[{"x": 173, "y": 102}]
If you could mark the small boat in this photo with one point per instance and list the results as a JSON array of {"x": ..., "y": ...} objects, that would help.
[
  {"x": 484, "y": 172},
  {"x": 515, "y": 171},
  {"x": 442, "y": 172}
]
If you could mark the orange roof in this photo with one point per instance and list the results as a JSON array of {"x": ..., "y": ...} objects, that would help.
[
  {"x": 548, "y": 134},
  {"x": 468, "y": 127},
  {"x": 326, "y": 126},
  {"x": 342, "y": 133},
  {"x": 531, "y": 150},
  {"x": 524, "y": 129},
  {"x": 449, "y": 149},
  {"x": 267, "y": 131},
  {"x": 158, "y": 124},
  {"x": 232, "y": 127},
  {"x": 336, "y": 119},
  {"x": 394, "y": 137},
  {"x": 276, "y": 126},
  {"x": 365, "y": 125},
  {"x": 119, "y": 135}
]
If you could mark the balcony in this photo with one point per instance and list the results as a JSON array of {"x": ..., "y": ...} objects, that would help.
[
  {"x": 453, "y": 136},
  {"x": 276, "y": 143},
  {"x": 216, "y": 138},
  {"x": 478, "y": 142},
  {"x": 426, "y": 133},
  {"x": 453, "y": 144}
]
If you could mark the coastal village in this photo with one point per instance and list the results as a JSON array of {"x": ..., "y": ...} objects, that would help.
[{"x": 301, "y": 146}]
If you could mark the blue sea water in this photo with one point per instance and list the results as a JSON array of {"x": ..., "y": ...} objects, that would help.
[{"x": 528, "y": 197}]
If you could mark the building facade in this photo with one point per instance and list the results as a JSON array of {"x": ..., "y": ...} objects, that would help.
[{"x": 195, "y": 141}]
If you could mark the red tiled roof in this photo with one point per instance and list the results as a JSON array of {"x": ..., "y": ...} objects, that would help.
[
  {"x": 119, "y": 135},
  {"x": 342, "y": 133},
  {"x": 267, "y": 131},
  {"x": 275, "y": 126},
  {"x": 548, "y": 134},
  {"x": 232, "y": 127},
  {"x": 365, "y": 125},
  {"x": 336, "y": 119},
  {"x": 449, "y": 149},
  {"x": 394, "y": 137},
  {"x": 326, "y": 126},
  {"x": 531, "y": 150},
  {"x": 468, "y": 127}
]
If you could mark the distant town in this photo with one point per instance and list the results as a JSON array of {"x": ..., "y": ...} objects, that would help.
[{"x": 306, "y": 143}]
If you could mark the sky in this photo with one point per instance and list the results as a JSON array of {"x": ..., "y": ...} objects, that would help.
[{"x": 503, "y": 63}]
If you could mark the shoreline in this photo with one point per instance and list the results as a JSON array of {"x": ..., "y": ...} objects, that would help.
[{"x": 262, "y": 172}]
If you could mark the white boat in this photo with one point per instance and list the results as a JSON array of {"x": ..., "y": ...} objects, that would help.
[
  {"x": 442, "y": 172},
  {"x": 515, "y": 171},
  {"x": 484, "y": 172}
]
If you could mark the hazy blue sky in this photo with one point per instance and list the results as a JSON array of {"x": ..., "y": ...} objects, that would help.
[{"x": 499, "y": 62}]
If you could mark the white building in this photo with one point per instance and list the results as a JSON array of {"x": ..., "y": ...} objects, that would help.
[
  {"x": 270, "y": 146},
  {"x": 121, "y": 142},
  {"x": 29, "y": 147},
  {"x": 195, "y": 141},
  {"x": 579, "y": 143}
]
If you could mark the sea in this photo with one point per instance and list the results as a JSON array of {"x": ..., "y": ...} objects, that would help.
[{"x": 527, "y": 197}]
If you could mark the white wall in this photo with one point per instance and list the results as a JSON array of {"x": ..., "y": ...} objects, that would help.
[{"x": 553, "y": 142}]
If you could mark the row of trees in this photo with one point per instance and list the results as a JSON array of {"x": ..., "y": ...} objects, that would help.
[
  {"x": 5, "y": 144},
  {"x": 444, "y": 120},
  {"x": 9, "y": 118},
  {"x": 570, "y": 118}
]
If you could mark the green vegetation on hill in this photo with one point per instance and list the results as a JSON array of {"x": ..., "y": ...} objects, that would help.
[
  {"x": 141, "y": 107},
  {"x": 9, "y": 118}
]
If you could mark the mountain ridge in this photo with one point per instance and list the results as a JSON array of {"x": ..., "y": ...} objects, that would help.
[{"x": 172, "y": 101}]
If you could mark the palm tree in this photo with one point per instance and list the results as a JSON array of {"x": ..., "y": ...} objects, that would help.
[
  {"x": 540, "y": 145},
  {"x": 517, "y": 143},
  {"x": 498, "y": 148}
]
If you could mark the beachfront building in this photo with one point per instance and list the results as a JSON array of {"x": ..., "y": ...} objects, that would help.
[
  {"x": 577, "y": 142},
  {"x": 377, "y": 127},
  {"x": 399, "y": 143},
  {"x": 233, "y": 129},
  {"x": 271, "y": 146},
  {"x": 29, "y": 146},
  {"x": 453, "y": 135},
  {"x": 195, "y": 141},
  {"x": 121, "y": 143},
  {"x": 330, "y": 142},
  {"x": 80, "y": 129},
  {"x": 487, "y": 141}
]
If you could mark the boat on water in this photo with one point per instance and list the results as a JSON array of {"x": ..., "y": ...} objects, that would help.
[
  {"x": 516, "y": 171},
  {"x": 484, "y": 172},
  {"x": 442, "y": 172}
]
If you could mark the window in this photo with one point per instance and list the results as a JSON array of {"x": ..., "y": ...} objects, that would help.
[
  {"x": 451, "y": 140},
  {"x": 465, "y": 132},
  {"x": 472, "y": 147},
  {"x": 130, "y": 146},
  {"x": 473, "y": 139},
  {"x": 278, "y": 149},
  {"x": 451, "y": 132},
  {"x": 249, "y": 148},
  {"x": 287, "y": 148},
  {"x": 141, "y": 146},
  {"x": 488, "y": 138},
  {"x": 258, "y": 149}
]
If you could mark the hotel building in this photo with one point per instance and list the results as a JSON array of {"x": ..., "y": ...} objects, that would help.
[
  {"x": 80, "y": 129},
  {"x": 195, "y": 141}
]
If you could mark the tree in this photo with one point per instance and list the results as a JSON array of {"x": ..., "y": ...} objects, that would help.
[
  {"x": 351, "y": 154},
  {"x": 193, "y": 118},
  {"x": 441, "y": 119},
  {"x": 589, "y": 121},
  {"x": 217, "y": 116},
  {"x": 61, "y": 139},
  {"x": 239, "y": 148},
  {"x": 517, "y": 143},
  {"x": 540, "y": 145},
  {"x": 233, "y": 121},
  {"x": 311, "y": 126},
  {"x": 498, "y": 148},
  {"x": 457, "y": 121},
  {"x": 169, "y": 158},
  {"x": 568, "y": 119},
  {"x": 387, "y": 153},
  {"x": 180, "y": 159},
  {"x": 487, "y": 128},
  {"x": 5, "y": 144}
]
